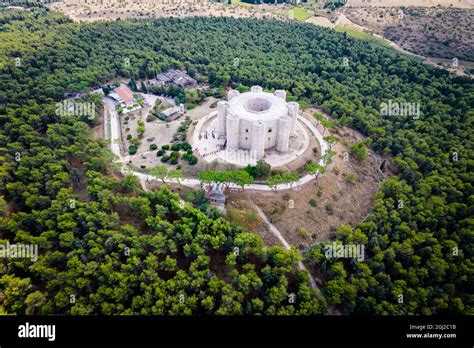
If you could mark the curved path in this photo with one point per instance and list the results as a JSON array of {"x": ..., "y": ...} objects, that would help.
[
  {"x": 115, "y": 136},
  {"x": 285, "y": 244}
]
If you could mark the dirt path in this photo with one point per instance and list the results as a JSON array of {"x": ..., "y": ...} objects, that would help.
[{"x": 285, "y": 244}]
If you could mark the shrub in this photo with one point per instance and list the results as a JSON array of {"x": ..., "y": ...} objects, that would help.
[
  {"x": 303, "y": 231},
  {"x": 140, "y": 131},
  {"x": 192, "y": 160},
  {"x": 185, "y": 146},
  {"x": 160, "y": 153},
  {"x": 189, "y": 197},
  {"x": 173, "y": 160},
  {"x": 150, "y": 118},
  {"x": 165, "y": 158},
  {"x": 165, "y": 147},
  {"x": 175, "y": 147},
  {"x": 129, "y": 136},
  {"x": 312, "y": 202},
  {"x": 132, "y": 149},
  {"x": 262, "y": 169},
  {"x": 359, "y": 150},
  {"x": 352, "y": 177},
  {"x": 153, "y": 147}
]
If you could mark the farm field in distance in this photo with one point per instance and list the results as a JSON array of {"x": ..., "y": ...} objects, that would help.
[{"x": 431, "y": 32}]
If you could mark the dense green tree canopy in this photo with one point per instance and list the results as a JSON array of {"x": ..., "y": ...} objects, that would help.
[{"x": 106, "y": 247}]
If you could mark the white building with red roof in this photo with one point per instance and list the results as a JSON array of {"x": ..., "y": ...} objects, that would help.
[{"x": 125, "y": 97}]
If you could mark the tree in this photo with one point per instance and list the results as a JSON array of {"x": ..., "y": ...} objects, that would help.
[
  {"x": 327, "y": 157},
  {"x": 133, "y": 85},
  {"x": 176, "y": 174},
  {"x": 143, "y": 87},
  {"x": 420, "y": 217},
  {"x": 330, "y": 139},
  {"x": 315, "y": 169},
  {"x": 159, "y": 172},
  {"x": 324, "y": 122},
  {"x": 129, "y": 182},
  {"x": 262, "y": 169},
  {"x": 238, "y": 177}
]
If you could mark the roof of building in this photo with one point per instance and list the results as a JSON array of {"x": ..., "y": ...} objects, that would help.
[
  {"x": 184, "y": 80},
  {"x": 176, "y": 76},
  {"x": 170, "y": 111},
  {"x": 255, "y": 106},
  {"x": 125, "y": 94},
  {"x": 216, "y": 197}
]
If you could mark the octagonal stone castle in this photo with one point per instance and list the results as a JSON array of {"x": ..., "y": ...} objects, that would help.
[{"x": 257, "y": 120}]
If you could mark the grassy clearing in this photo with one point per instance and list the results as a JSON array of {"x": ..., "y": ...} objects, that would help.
[
  {"x": 356, "y": 34},
  {"x": 241, "y": 3},
  {"x": 299, "y": 13}
]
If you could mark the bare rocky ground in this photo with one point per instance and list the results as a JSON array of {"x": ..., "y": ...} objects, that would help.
[
  {"x": 338, "y": 201},
  {"x": 430, "y": 32},
  {"x": 414, "y": 3},
  {"x": 115, "y": 9}
]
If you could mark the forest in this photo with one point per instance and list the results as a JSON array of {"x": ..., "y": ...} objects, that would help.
[{"x": 107, "y": 247}]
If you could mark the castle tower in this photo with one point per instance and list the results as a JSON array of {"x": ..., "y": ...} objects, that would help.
[
  {"x": 283, "y": 136},
  {"x": 280, "y": 94},
  {"x": 232, "y": 94},
  {"x": 221, "y": 117},
  {"x": 293, "y": 110},
  {"x": 256, "y": 121},
  {"x": 258, "y": 139},
  {"x": 232, "y": 129}
]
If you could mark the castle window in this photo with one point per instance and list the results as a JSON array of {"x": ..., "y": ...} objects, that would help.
[
  {"x": 246, "y": 131},
  {"x": 269, "y": 130}
]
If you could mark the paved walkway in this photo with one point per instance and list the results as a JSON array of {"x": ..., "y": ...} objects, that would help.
[
  {"x": 144, "y": 178},
  {"x": 195, "y": 183}
]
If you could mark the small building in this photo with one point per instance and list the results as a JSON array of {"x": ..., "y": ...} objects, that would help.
[
  {"x": 216, "y": 197},
  {"x": 124, "y": 96},
  {"x": 155, "y": 83},
  {"x": 176, "y": 77},
  {"x": 185, "y": 81},
  {"x": 172, "y": 112}
]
